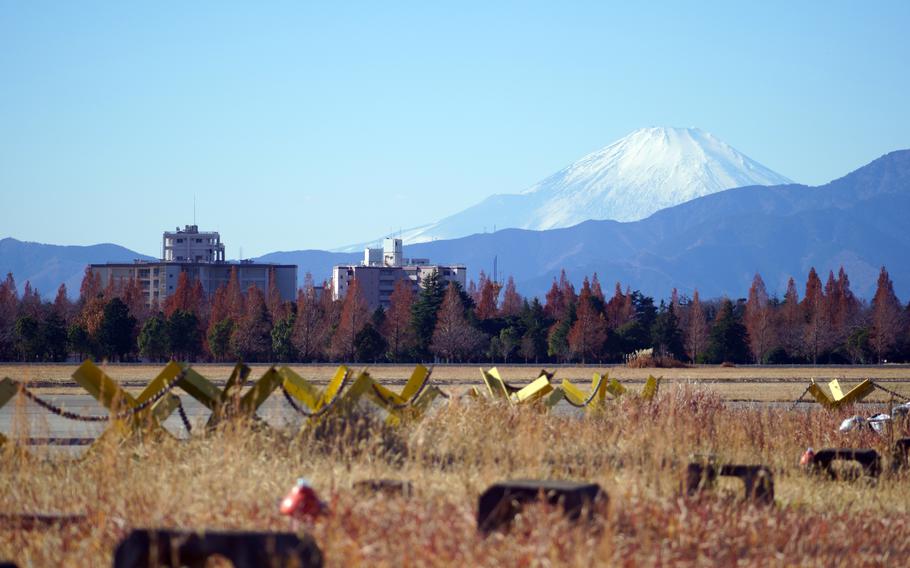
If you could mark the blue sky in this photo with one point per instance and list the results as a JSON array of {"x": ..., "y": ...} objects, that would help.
[{"x": 314, "y": 125}]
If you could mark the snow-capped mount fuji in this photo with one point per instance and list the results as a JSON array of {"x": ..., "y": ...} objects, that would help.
[{"x": 646, "y": 171}]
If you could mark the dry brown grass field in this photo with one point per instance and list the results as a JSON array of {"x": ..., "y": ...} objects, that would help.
[{"x": 636, "y": 450}]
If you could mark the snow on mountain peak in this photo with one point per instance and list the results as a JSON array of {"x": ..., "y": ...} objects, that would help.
[{"x": 647, "y": 170}]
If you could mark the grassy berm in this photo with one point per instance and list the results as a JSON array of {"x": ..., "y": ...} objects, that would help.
[{"x": 234, "y": 478}]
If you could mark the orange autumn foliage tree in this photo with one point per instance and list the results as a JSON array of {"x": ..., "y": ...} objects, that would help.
[
  {"x": 453, "y": 337},
  {"x": 511, "y": 300},
  {"x": 759, "y": 320},
  {"x": 886, "y": 316},
  {"x": 589, "y": 332},
  {"x": 487, "y": 295},
  {"x": 309, "y": 325},
  {"x": 354, "y": 315},
  {"x": 186, "y": 297},
  {"x": 396, "y": 328}
]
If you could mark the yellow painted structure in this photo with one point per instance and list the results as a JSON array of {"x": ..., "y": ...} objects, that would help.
[
  {"x": 594, "y": 399},
  {"x": 111, "y": 396},
  {"x": 650, "y": 389},
  {"x": 536, "y": 390},
  {"x": 312, "y": 397},
  {"x": 8, "y": 390},
  {"x": 838, "y": 398}
]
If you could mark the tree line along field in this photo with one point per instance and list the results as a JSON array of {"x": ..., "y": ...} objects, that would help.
[{"x": 484, "y": 323}]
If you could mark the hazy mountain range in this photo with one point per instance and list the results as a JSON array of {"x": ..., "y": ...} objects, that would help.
[
  {"x": 646, "y": 171},
  {"x": 48, "y": 266},
  {"x": 716, "y": 242}
]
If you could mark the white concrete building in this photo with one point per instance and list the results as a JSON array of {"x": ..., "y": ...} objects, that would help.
[
  {"x": 382, "y": 268},
  {"x": 189, "y": 245},
  {"x": 201, "y": 257}
]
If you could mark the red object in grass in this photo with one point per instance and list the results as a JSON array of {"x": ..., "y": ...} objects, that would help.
[
  {"x": 806, "y": 459},
  {"x": 302, "y": 501}
]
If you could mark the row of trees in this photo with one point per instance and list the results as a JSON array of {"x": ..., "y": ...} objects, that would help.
[{"x": 485, "y": 322}]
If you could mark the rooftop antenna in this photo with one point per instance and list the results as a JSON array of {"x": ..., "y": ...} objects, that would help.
[
  {"x": 241, "y": 253},
  {"x": 194, "y": 208}
]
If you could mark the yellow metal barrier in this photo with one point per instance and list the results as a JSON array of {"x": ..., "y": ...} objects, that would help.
[
  {"x": 8, "y": 390},
  {"x": 857, "y": 393},
  {"x": 838, "y": 398},
  {"x": 593, "y": 399},
  {"x": 650, "y": 389},
  {"x": 109, "y": 393},
  {"x": 313, "y": 398},
  {"x": 615, "y": 388},
  {"x": 536, "y": 390}
]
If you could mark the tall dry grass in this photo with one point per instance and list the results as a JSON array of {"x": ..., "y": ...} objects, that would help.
[{"x": 234, "y": 477}]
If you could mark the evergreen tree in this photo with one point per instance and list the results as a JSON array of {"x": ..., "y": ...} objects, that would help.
[
  {"x": 283, "y": 348},
  {"x": 666, "y": 337},
  {"x": 423, "y": 313},
  {"x": 509, "y": 342},
  {"x": 54, "y": 332},
  {"x": 9, "y": 308},
  {"x": 79, "y": 341},
  {"x": 117, "y": 332},
  {"x": 219, "y": 338},
  {"x": 183, "y": 335},
  {"x": 727, "y": 342},
  {"x": 534, "y": 341},
  {"x": 369, "y": 344},
  {"x": 558, "y": 340},
  {"x": 153, "y": 338},
  {"x": 29, "y": 341}
]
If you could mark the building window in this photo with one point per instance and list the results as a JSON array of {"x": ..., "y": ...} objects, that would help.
[{"x": 179, "y": 240}]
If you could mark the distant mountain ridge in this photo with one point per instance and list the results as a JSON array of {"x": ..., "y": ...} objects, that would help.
[
  {"x": 48, "y": 266},
  {"x": 646, "y": 171},
  {"x": 715, "y": 243}
]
